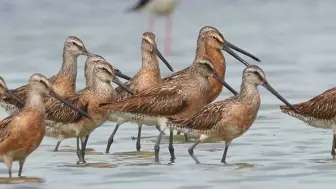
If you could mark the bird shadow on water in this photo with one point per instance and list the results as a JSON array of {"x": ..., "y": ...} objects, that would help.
[
  {"x": 90, "y": 165},
  {"x": 234, "y": 166},
  {"x": 136, "y": 154},
  {"x": 18, "y": 180},
  {"x": 323, "y": 160}
]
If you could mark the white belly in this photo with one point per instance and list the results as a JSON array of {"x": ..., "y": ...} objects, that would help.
[
  {"x": 138, "y": 118},
  {"x": 323, "y": 124}
]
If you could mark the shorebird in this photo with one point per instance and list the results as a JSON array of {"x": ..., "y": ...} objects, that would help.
[
  {"x": 64, "y": 82},
  {"x": 22, "y": 133},
  {"x": 210, "y": 42},
  {"x": 319, "y": 112},
  {"x": 65, "y": 123},
  {"x": 229, "y": 118},
  {"x": 5, "y": 93},
  {"x": 158, "y": 8},
  {"x": 90, "y": 64},
  {"x": 177, "y": 98},
  {"x": 148, "y": 76}
]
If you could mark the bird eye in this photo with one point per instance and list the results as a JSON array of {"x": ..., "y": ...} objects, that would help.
[
  {"x": 259, "y": 75},
  {"x": 105, "y": 70},
  {"x": 207, "y": 64},
  {"x": 75, "y": 44},
  {"x": 44, "y": 83}
]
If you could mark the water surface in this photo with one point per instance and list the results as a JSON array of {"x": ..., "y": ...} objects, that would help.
[{"x": 294, "y": 40}]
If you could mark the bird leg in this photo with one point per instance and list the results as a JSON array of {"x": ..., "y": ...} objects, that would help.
[
  {"x": 186, "y": 139},
  {"x": 84, "y": 145},
  {"x": 171, "y": 147},
  {"x": 158, "y": 128},
  {"x": 110, "y": 140},
  {"x": 333, "y": 146},
  {"x": 227, "y": 144},
  {"x": 157, "y": 147},
  {"x": 8, "y": 161},
  {"x": 21, "y": 162},
  {"x": 138, "y": 145},
  {"x": 57, "y": 145},
  {"x": 79, "y": 151},
  {"x": 191, "y": 151}
]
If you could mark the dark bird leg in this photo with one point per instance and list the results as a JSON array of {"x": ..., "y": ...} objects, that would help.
[
  {"x": 21, "y": 162},
  {"x": 157, "y": 147},
  {"x": 227, "y": 144},
  {"x": 138, "y": 145},
  {"x": 191, "y": 151},
  {"x": 171, "y": 147},
  {"x": 158, "y": 128},
  {"x": 79, "y": 152},
  {"x": 57, "y": 145},
  {"x": 333, "y": 146},
  {"x": 186, "y": 139},
  {"x": 110, "y": 140},
  {"x": 84, "y": 146}
]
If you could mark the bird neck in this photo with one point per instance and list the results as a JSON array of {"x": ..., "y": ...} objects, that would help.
[
  {"x": 34, "y": 100},
  {"x": 200, "y": 49},
  {"x": 249, "y": 93},
  {"x": 102, "y": 88},
  {"x": 69, "y": 65},
  {"x": 217, "y": 58},
  {"x": 150, "y": 61},
  {"x": 88, "y": 71}
]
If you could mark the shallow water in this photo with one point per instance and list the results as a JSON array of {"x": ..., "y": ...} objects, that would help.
[{"x": 294, "y": 40}]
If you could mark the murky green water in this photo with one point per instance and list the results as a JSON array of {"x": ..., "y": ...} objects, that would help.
[{"x": 293, "y": 39}]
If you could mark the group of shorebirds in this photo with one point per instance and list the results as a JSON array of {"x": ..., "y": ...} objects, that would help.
[{"x": 182, "y": 101}]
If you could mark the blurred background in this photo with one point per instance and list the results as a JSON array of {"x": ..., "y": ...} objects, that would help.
[{"x": 294, "y": 40}]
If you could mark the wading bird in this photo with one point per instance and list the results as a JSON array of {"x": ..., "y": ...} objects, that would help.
[{"x": 229, "y": 118}]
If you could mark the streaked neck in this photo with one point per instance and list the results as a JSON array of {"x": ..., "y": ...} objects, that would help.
[
  {"x": 34, "y": 100},
  {"x": 249, "y": 92},
  {"x": 69, "y": 65}
]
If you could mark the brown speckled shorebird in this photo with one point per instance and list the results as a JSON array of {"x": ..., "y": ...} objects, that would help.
[
  {"x": 148, "y": 76},
  {"x": 65, "y": 123},
  {"x": 90, "y": 64},
  {"x": 5, "y": 93},
  {"x": 319, "y": 112},
  {"x": 210, "y": 43},
  {"x": 178, "y": 98},
  {"x": 22, "y": 133},
  {"x": 64, "y": 82},
  {"x": 229, "y": 118}
]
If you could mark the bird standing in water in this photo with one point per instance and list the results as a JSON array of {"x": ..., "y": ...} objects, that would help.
[
  {"x": 22, "y": 133},
  {"x": 158, "y": 8}
]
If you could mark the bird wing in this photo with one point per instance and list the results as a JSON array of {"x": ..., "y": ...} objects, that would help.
[
  {"x": 205, "y": 119},
  {"x": 139, "y": 5},
  {"x": 121, "y": 93},
  {"x": 58, "y": 112},
  {"x": 21, "y": 93},
  {"x": 11, "y": 103},
  {"x": 322, "y": 106},
  {"x": 5, "y": 128},
  {"x": 175, "y": 75},
  {"x": 155, "y": 101}
]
